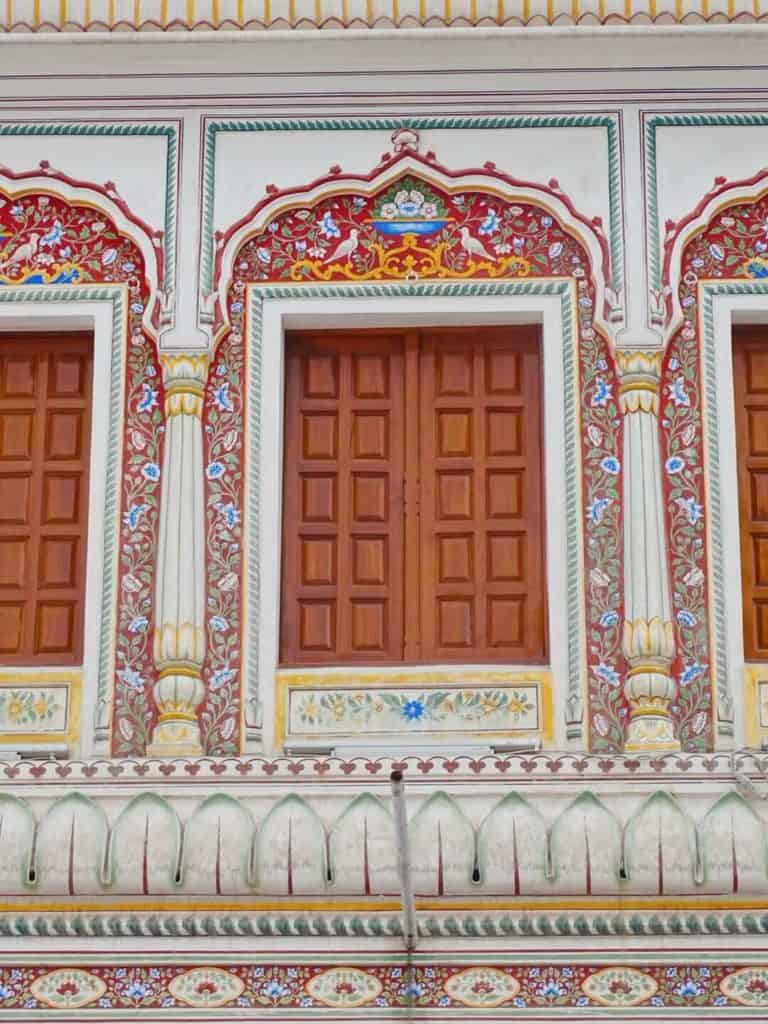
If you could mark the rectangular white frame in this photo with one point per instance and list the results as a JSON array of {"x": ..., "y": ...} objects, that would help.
[
  {"x": 281, "y": 314},
  {"x": 67, "y": 316}
]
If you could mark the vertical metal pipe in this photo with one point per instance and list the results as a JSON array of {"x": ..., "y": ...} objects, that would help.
[{"x": 404, "y": 861}]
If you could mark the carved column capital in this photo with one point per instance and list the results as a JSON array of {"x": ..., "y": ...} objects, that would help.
[
  {"x": 639, "y": 376},
  {"x": 184, "y": 376}
]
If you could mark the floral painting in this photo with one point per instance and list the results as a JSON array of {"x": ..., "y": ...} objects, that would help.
[
  {"x": 414, "y": 230},
  {"x": 45, "y": 240},
  {"x": 732, "y": 245}
]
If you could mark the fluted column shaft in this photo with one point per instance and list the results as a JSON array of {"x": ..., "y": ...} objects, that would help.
[
  {"x": 180, "y": 582},
  {"x": 648, "y": 638}
]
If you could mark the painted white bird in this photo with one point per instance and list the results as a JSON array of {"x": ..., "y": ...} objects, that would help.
[
  {"x": 344, "y": 249},
  {"x": 474, "y": 246},
  {"x": 23, "y": 253}
]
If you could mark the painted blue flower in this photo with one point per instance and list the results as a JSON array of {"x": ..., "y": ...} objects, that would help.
[
  {"x": 263, "y": 254},
  {"x": 137, "y": 991},
  {"x": 328, "y": 226},
  {"x": 5, "y": 992},
  {"x": 214, "y": 470},
  {"x": 237, "y": 307},
  {"x": 601, "y": 393},
  {"x": 108, "y": 257},
  {"x": 54, "y": 235},
  {"x": 677, "y": 392},
  {"x": 691, "y": 672},
  {"x": 413, "y": 991},
  {"x": 149, "y": 370},
  {"x": 230, "y": 514},
  {"x": 221, "y": 369},
  {"x": 219, "y": 624},
  {"x": 546, "y": 222},
  {"x": 609, "y": 618},
  {"x": 359, "y": 202},
  {"x": 137, "y": 307},
  {"x": 274, "y": 990},
  {"x": 688, "y": 989},
  {"x": 128, "y": 267},
  {"x": 555, "y": 250},
  {"x": 757, "y": 269},
  {"x": 148, "y": 398},
  {"x": 133, "y": 515},
  {"x": 686, "y": 617},
  {"x": 761, "y": 246},
  {"x": 139, "y": 624},
  {"x": 132, "y": 678},
  {"x": 657, "y": 1001},
  {"x": 596, "y": 508},
  {"x": 221, "y": 396},
  {"x": 221, "y": 677},
  {"x": 688, "y": 301},
  {"x": 519, "y": 1001},
  {"x": 17, "y": 210},
  {"x": 150, "y": 471},
  {"x": 607, "y": 673},
  {"x": 551, "y": 990},
  {"x": 490, "y": 223},
  {"x": 674, "y": 464},
  {"x": 716, "y": 252},
  {"x": 413, "y": 710},
  {"x": 585, "y": 301},
  {"x": 611, "y": 464},
  {"x": 691, "y": 508}
]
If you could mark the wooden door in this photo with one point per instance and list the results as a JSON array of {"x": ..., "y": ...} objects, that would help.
[
  {"x": 45, "y": 424},
  {"x": 750, "y": 378},
  {"x": 482, "y": 508},
  {"x": 343, "y": 499},
  {"x": 413, "y": 498}
]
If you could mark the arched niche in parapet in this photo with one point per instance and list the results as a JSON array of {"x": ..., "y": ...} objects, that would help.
[
  {"x": 442, "y": 845},
  {"x": 363, "y": 849},
  {"x": 145, "y": 847},
  {"x": 17, "y": 835},
  {"x": 585, "y": 848},
  {"x": 478, "y": 237},
  {"x": 75, "y": 252},
  {"x": 218, "y": 848},
  {"x": 291, "y": 850},
  {"x": 512, "y": 849},
  {"x": 71, "y": 848},
  {"x": 660, "y": 849},
  {"x": 733, "y": 845}
]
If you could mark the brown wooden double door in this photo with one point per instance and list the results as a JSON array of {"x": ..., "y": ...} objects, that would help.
[
  {"x": 413, "y": 497},
  {"x": 45, "y": 426}
]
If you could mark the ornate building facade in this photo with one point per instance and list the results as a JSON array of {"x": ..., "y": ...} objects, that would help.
[{"x": 383, "y": 504}]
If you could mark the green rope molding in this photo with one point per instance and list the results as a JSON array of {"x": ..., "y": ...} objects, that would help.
[
  {"x": 606, "y": 121},
  {"x": 653, "y": 123},
  {"x": 116, "y": 295},
  {"x": 710, "y": 291},
  {"x": 562, "y": 288},
  {"x": 305, "y": 925},
  {"x": 167, "y": 131}
]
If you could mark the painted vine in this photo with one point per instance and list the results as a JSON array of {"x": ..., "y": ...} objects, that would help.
[{"x": 415, "y": 230}]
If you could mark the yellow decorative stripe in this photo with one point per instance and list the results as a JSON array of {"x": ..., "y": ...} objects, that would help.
[{"x": 312, "y": 904}]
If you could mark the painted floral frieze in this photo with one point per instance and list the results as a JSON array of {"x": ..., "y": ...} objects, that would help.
[
  {"x": 415, "y": 230},
  {"x": 543, "y": 986},
  {"x": 398, "y": 709},
  {"x": 34, "y": 708},
  {"x": 45, "y": 240}
]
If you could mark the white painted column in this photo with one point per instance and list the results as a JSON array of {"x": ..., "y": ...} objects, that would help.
[
  {"x": 648, "y": 640},
  {"x": 180, "y": 584}
]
